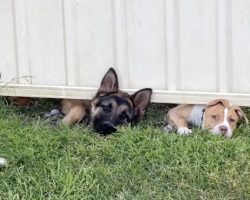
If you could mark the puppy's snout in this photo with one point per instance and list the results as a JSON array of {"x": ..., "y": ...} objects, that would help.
[
  {"x": 108, "y": 124},
  {"x": 108, "y": 127},
  {"x": 223, "y": 129}
]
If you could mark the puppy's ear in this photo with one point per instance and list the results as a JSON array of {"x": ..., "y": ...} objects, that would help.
[
  {"x": 224, "y": 102},
  {"x": 241, "y": 114},
  {"x": 109, "y": 83},
  {"x": 141, "y": 100}
]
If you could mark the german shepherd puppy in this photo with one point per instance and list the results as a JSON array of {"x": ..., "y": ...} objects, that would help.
[{"x": 110, "y": 108}]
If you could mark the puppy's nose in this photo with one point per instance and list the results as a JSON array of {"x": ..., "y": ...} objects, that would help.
[
  {"x": 223, "y": 129},
  {"x": 108, "y": 124},
  {"x": 108, "y": 127}
]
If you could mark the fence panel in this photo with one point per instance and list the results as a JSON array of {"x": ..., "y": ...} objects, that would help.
[{"x": 188, "y": 51}]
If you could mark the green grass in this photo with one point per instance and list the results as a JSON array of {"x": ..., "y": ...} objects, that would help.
[{"x": 48, "y": 162}]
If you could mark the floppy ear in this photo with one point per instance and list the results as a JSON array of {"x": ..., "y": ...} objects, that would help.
[
  {"x": 224, "y": 102},
  {"x": 141, "y": 100},
  {"x": 109, "y": 83},
  {"x": 241, "y": 114}
]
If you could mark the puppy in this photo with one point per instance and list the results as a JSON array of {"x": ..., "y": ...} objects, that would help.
[
  {"x": 218, "y": 116},
  {"x": 110, "y": 108},
  {"x": 22, "y": 101}
]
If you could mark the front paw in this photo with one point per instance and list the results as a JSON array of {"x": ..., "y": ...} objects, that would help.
[{"x": 184, "y": 131}]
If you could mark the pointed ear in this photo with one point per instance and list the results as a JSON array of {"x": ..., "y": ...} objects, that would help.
[
  {"x": 109, "y": 83},
  {"x": 241, "y": 114},
  {"x": 141, "y": 100}
]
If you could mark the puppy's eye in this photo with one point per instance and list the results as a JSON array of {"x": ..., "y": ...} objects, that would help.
[
  {"x": 123, "y": 116},
  {"x": 107, "y": 109},
  {"x": 215, "y": 117},
  {"x": 231, "y": 120}
]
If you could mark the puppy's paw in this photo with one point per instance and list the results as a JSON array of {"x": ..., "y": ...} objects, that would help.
[
  {"x": 184, "y": 131},
  {"x": 169, "y": 128}
]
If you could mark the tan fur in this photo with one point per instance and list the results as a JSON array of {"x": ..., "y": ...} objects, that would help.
[
  {"x": 214, "y": 114},
  {"x": 116, "y": 108},
  {"x": 240, "y": 113},
  {"x": 74, "y": 110},
  {"x": 178, "y": 116},
  {"x": 224, "y": 102},
  {"x": 213, "y": 118},
  {"x": 122, "y": 108},
  {"x": 22, "y": 101},
  {"x": 233, "y": 118}
]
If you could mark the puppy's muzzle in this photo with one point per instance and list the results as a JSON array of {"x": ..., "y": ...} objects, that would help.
[
  {"x": 108, "y": 127},
  {"x": 223, "y": 129}
]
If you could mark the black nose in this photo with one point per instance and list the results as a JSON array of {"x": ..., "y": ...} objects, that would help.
[
  {"x": 223, "y": 129},
  {"x": 108, "y": 127}
]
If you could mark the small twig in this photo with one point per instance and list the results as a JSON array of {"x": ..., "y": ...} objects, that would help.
[{"x": 14, "y": 80}]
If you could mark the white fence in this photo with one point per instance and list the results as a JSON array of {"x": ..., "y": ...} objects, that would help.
[{"x": 186, "y": 50}]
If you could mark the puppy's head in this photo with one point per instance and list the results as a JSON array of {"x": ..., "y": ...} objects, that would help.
[
  {"x": 221, "y": 118},
  {"x": 112, "y": 108}
]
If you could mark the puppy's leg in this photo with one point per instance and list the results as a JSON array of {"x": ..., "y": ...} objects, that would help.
[
  {"x": 169, "y": 126},
  {"x": 75, "y": 114},
  {"x": 176, "y": 121},
  {"x": 74, "y": 110}
]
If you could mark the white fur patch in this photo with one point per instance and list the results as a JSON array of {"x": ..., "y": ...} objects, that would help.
[
  {"x": 216, "y": 129},
  {"x": 196, "y": 115},
  {"x": 184, "y": 131}
]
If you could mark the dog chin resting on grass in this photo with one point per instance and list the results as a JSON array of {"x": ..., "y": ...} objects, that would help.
[{"x": 110, "y": 108}]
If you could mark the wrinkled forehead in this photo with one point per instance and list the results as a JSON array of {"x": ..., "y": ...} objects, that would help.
[
  {"x": 218, "y": 108},
  {"x": 221, "y": 109}
]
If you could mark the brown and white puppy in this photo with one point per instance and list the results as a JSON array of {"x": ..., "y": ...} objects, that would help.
[
  {"x": 218, "y": 116},
  {"x": 110, "y": 108}
]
